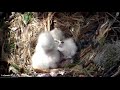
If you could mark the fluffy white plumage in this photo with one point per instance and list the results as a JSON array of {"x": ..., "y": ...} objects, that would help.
[
  {"x": 45, "y": 41},
  {"x": 57, "y": 34},
  {"x": 47, "y": 49},
  {"x": 68, "y": 48},
  {"x": 46, "y": 54}
]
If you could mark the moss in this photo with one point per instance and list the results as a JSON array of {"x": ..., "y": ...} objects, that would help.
[{"x": 109, "y": 55}]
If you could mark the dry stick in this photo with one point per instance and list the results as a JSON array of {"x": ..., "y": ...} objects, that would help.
[
  {"x": 29, "y": 53},
  {"x": 88, "y": 49},
  {"x": 50, "y": 16},
  {"x": 114, "y": 19},
  {"x": 48, "y": 21},
  {"x": 90, "y": 60},
  {"x": 59, "y": 22},
  {"x": 117, "y": 14},
  {"x": 76, "y": 32},
  {"x": 117, "y": 73},
  {"x": 75, "y": 19},
  {"x": 88, "y": 73},
  {"x": 72, "y": 18},
  {"x": 44, "y": 23},
  {"x": 26, "y": 46},
  {"x": 103, "y": 30}
]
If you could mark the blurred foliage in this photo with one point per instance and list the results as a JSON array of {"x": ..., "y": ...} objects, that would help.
[{"x": 27, "y": 17}]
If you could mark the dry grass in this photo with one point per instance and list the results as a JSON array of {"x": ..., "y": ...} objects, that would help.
[{"x": 25, "y": 36}]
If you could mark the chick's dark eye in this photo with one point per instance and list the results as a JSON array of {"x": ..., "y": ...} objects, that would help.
[{"x": 62, "y": 42}]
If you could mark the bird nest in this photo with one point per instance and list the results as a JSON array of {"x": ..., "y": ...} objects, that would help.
[
  {"x": 82, "y": 26},
  {"x": 24, "y": 34}
]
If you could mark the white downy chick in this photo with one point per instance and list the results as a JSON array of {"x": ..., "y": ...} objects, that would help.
[
  {"x": 46, "y": 54},
  {"x": 68, "y": 48},
  {"x": 58, "y": 36},
  {"x": 45, "y": 41}
]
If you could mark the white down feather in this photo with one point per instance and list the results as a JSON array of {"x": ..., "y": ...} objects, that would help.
[{"x": 46, "y": 54}]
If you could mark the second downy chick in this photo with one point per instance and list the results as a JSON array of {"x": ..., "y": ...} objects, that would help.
[
  {"x": 58, "y": 36},
  {"x": 68, "y": 48},
  {"x": 46, "y": 54}
]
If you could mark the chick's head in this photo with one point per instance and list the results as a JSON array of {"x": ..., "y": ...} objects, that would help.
[
  {"x": 46, "y": 41},
  {"x": 57, "y": 34}
]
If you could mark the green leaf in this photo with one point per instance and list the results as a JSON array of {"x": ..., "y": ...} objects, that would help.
[
  {"x": 27, "y": 17},
  {"x": 15, "y": 66},
  {"x": 12, "y": 45}
]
